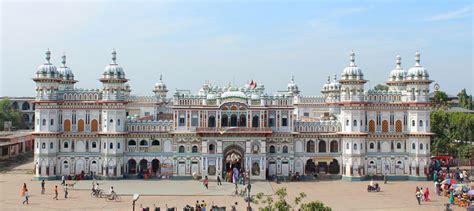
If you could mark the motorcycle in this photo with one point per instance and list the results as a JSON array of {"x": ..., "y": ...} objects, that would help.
[{"x": 375, "y": 188}]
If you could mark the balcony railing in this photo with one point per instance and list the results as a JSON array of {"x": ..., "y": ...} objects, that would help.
[{"x": 225, "y": 130}]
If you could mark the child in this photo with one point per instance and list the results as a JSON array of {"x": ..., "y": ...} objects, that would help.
[{"x": 206, "y": 182}]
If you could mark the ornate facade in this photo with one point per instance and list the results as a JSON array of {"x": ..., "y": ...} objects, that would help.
[{"x": 347, "y": 132}]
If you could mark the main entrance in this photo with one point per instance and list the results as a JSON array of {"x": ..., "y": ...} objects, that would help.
[{"x": 233, "y": 162}]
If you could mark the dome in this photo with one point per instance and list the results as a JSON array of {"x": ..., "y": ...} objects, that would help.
[
  {"x": 47, "y": 70},
  {"x": 417, "y": 72},
  {"x": 160, "y": 85},
  {"x": 233, "y": 92},
  {"x": 65, "y": 72},
  {"x": 211, "y": 96},
  {"x": 255, "y": 96},
  {"x": 326, "y": 85},
  {"x": 352, "y": 72},
  {"x": 113, "y": 70},
  {"x": 397, "y": 74},
  {"x": 292, "y": 87}
]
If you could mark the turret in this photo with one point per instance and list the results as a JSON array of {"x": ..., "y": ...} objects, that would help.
[
  {"x": 113, "y": 81},
  {"x": 47, "y": 80},
  {"x": 352, "y": 82},
  {"x": 65, "y": 73},
  {"x": 417, "y": 82},
  {"x": 160, "y": 89}
]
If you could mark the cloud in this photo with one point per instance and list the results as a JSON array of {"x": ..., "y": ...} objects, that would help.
[{"x": 460, "y": 13}]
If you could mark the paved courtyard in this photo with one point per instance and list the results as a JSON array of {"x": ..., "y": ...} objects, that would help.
[{"x": 340, "y": 195}]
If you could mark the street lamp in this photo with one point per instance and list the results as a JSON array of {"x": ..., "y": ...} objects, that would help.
[
  {"x": 249, "y": 187},
  {"x": 135, "y": 198}
]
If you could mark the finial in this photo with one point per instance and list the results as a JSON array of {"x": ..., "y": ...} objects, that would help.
[
  {"x": 335, "y": 77},
  {"x": 352, "y": 57},
  {"x": 399, "y": 61},
  {"x": 161, "y": 77},
  {"x": 114, "y": 56},
  {"x": 417, "y": 58},
  {"x": 63, "y": 60},
  {"x": 48, "y": 56},
  {"x": 329, "y": 79}
]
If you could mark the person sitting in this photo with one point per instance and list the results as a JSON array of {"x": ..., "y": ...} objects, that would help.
[{"x": 111, "y": 192}]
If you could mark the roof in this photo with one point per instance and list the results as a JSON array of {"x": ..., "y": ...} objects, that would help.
[
  {"x": 14, "y": 134},
  {"x": 460, "y": 109}
]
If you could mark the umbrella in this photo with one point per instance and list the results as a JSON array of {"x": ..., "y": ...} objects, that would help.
[
  {"x": 471, "y": 192},
  {"x": 449, "y": 181}
]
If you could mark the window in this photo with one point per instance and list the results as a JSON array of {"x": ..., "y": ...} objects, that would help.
[
  {"x": 310, "y": 146},
  {"x": 334, "y": 146},
  {"x": 399, "y": 145},
  {"x": 347, "y": 146},
  {"x": 94, "y": 144},
  {"x": 52, "y": 122},
  {"x": 118, "y": 122},
  {"x": 111, "y": 145},
  {"x": 181, "y": 149},
  {"x": 43, "y": 145},
  {"x": 155, "y": 143},
  {"x": 37, "y": 145},
  {"x": 194, "y": 149},
  {"x": 255, "y": 122},
  {"x": 118, "y": 145},
  {"x": 111, "y": 121},
  {"x": 66, "y": 145},
  {"x": 421, "y": 123},
  {"x": 347, "y": 122},
  {"x": 355, "y": 122},
  {"x": 285, "y": 149},
  {"x": 272, "y": 149},
  {"x": 147, "y": 113},
  {"x": 413, "y": 146},
  {"x": 105, "y": 145},
  {"x": 224, "y": 121},
  {"x": 413, "y": 123},
  {"x": 51, "y": 145},
  {"x": 271, "y": 122},
  {"x": 378, "y": 145},
  {"x": 355, "y": 146},
  {"x": 211, "y": 122},
  {"x": 143, "y": 143},
  {"x": 421, "y": 146},
  {"x": 132, "y": 143},
  {"x": 371, "y": 145},
  {"x": 306, "y": 114},
  {"x": 194, "y": 121},
  {"x": 284, "y": 121},
  {"x": 392, "y": 146},
  {"x": 44, "y": 121},
  {"x": 322, "y": 146},
  {"x": 212, "y": 148}
]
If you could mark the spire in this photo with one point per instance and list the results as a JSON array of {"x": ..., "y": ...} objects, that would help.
[
  {"x": 48, "y": 56},
  {"x": 114, "y": 56},
  {"x": 292, "y": 79},
  {"x": 399, "y": 62},
  {"x": 161, "y": 77},
  {"x": 63, "y": 61},
  {"x": 417, "y": 58},
  {"x": 335, "y": 77},
  {"x": 352, "y": 58},
  {"x": 329, "y": 79}
]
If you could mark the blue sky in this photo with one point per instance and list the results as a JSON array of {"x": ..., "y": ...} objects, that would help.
[{"x": 268, "y": 41}]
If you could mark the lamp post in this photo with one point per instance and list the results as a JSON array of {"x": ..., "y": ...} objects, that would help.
[
  {"x": 135, "y": 198},
  {"x": 249, "y": 187}
]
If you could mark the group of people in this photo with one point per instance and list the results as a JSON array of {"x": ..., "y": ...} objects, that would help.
[
  {"x": 25, "y": 193},
  {"x": 422, "y": 195}
]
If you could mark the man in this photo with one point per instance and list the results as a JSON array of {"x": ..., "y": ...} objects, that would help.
[
  {"x": 26, "y": 196},
  {"x": 112, "y": 192},
  {"x": 63, "y": 180},
  {"x": 42, "y": 187},
  {"x": 65, "y": 192},
  {"x": 203, "y": 205},
  {"x": 219, "y": 182},
  {"x": 418, "y": 196},
  {"x": 55, "y": 192},
  {"x": 234, "y": 207}
]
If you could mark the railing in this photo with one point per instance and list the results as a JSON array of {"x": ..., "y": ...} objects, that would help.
[
  {"x": 233, "y": 130},
  {"x": 137, "y": 149}
]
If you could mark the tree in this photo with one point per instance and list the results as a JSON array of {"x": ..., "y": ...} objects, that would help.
[
  {"x": 381, "y": 87},
  {"x": 7, "y": 113},
  {"x": 282, "y": 205},
  {"x": 315, "y": 205},
  {"x": 465, "y": 100},
  {"x": 440, "y": 99}
]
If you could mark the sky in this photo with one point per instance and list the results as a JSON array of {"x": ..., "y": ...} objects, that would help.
[{"x": 191, "y": 42}]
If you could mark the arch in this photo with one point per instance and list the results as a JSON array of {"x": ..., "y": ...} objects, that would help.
[
  {"x": 421, "y": 146},
  {"x": 143, "y": 143},
  {"x": 310, "y": 167},
  {"x": 334, "y": 146},
  {"x": 66, "y": 144},
  {"x": 355, "y": 123},
  {"x": 398, "y": 126},
  {"x": 371, "y": 126},
  {"x": 212, "y": 149},
  {"x": 111, "y": 145},
  {"x": 255, "y": 168},
  {"x": 233, "y": 120},
  {"x": 26, "y": 118},
  {"x": 224, "y": 120},
  {"x": 155, "y": 166},
  {"x": 399, "y": 145},
  {"x": 355, "y": 146},
  {"x": 310, "y": 146},
  {"x": 384, "y": 126},
  {"x": 94, "y": 125},
  {"x": 255, "y": 148},
  {"x": 44, "y": 122},
  {"x": 322, "y": 146},
  {"x": 65, "y": 168},
  {"x": 80, "y": 125},
  {"x": 420, "y": 123},
  {"x": 181, "y": 149},
  {"x": 272, "y": 149},
  {"x": 80, "y": 166},
  {"x": 255, "y": 121},
  {"x": 334, "y": 167},
  {"x": 285, "y": 149},
  {"x": 194, "y": 149},
  {"x": 51, "y": 145},
  {"x": 242, "y": 120},
  {"x": 371, "y": 145},
  {"x": 167, "y": 146},
  {"x": 299, "y": 146},
  {"x": 43, "y": 145},
  {"x": 143, "y": 165},
  {"x": 132, "y": 143},
  {"x": 211, "y": 121},
  {"x": 132, "y": 166},
  {"x": 413, "y": 146},
  {"x": 15, "y": 105},
  {"x": 155, "y": 143}
]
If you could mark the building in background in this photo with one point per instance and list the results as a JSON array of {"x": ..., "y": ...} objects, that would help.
[
  {"x": 14, "y": 143},
  {"x": 347, "y": 132}
]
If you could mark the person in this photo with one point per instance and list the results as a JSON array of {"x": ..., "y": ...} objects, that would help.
[
  {"x": 371, "y": 183},
  {"x": 421, "y": 191},
  {"x": 111, "y": 191},
  {"x": 203, "y": 205},
  {"x": 234, "y": 207},
  {"x": 65, "y": 192},
  {"x": 23, "y": 190},
  {"x": 436, "y": 183},
  {"x": 63, "y": 180},
  {"x": 219, "y": 182},
  {"x": 426, "y": 194},
  {"x": 418, "y": 196},
  {"x": 451, "y": 196},
  {"x": 206, "y": 182},
  {"x": 26, "y": 196},
  {"x": 42, "y": 187},
  {"x": 55, "y": 192},
  {"x": 198, "y": 205}
]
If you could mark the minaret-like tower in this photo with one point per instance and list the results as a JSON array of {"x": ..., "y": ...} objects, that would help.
[
  {"x": 353, "y": 121},
  {"x": 293, "y": 87},
  {"x": 46, "y": 119},
  {"x": 65, "y": 73},
  {"x": 112, "y": 133},
  {"x": 417, "y": 86},
  {"x": 160, "y": 89},
  {"x": 396, "y": 79}
]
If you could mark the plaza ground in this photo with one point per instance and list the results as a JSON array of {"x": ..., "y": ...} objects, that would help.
[{"x": 339, "y": 195}]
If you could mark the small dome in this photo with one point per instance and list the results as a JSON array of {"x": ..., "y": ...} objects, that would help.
[
  {"x": 65, "y": 72},
  {"x": 211, "y": 96},
  {"x": 47, "y": 70},
  {"x": 255, "y": 96},
  {"x": 397, "y": 74},
  {"x": 160, "y": 85},
  {"x": 417, "y": 72},
  {"x": 352, "y": 72},
  {"x": 113, "y": 70},
  {"x": 292, "y": 87},
  {"x": 233, "y": 92}
]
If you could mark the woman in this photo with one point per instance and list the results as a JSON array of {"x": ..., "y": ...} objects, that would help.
[
  {"x": 23, "y": 190},
  {"x": 426, "y": 194},
  {"x": 451, "y": 196},
  {"x": 206, "y": 182}
]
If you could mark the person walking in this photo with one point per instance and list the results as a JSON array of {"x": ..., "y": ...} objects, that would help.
[
  {"x": 418, "y": 196},
  {"x": 219, "y": 182},
  {"x": 426, "y": 194},
  {"x": 42, "y": 187},
  {"x": 55, "y": 192},
  {"x": 23, "y": 190},
  {"x": 206, "y": 182},
  {"x": 65, "y": 192},
  {"x": 63, "y": 180},
  {"x": 26, "y": 196}
]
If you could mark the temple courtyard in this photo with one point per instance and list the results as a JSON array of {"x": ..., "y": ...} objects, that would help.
[{"x": 339, "y": 195}]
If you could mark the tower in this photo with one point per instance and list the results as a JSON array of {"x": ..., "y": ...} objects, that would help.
[
  {"x": 396, "y": 79},
  {"x": 160, "y": 89},
  {"x": 65, "y": 73}
]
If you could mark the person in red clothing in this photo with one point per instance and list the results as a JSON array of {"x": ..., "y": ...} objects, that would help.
[{"x": 206, "y": 182}]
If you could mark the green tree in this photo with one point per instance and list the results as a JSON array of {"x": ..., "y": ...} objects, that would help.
[
  {"x": 315, "y": 206},
  {"x": 381, "y": 87},
  {"x": 8, "y": 114},
  {"x": 281, "y": 204},
  {"x": 465, "y": 100},
  {"x": 440, "y": 99}
]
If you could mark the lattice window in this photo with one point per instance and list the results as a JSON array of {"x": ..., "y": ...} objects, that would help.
[
  {"x": 371, "y": 126},
  {"x": 385, "y": 126},
  {"x": 398, "y": 126}
]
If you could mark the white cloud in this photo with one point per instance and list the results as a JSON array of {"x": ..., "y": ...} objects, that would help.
[{"x": 460, "y": 13}]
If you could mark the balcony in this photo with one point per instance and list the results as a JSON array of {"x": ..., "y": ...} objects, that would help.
[
  {"x": 233, "y": 130},
  {"x": 137, "y": 149}
]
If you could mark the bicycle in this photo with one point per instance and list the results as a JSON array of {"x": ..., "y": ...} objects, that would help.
[
  {"x": 112, "y": 197},
  {"x": 98, "y": 194}
]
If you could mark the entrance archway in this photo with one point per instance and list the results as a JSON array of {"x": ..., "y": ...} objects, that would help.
[
  {"x": 143, "y": 165},
  {"x": 132, "y": 166},
  {"x": 233, "y": 162},
  {"x": 155, "y": 166}
]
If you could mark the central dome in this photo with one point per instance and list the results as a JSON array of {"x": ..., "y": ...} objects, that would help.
[
  {"x": 47, "y": 70},
  {"x": 398, "y": 74},
  {"x": 113, "y": 70},
  {"x": 233, "y": 92},
  {"x": 352, "y": 72}
]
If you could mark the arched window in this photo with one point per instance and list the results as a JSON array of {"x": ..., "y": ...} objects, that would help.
[
  {"x": 224, "y": 121},
  {"x": 80, "y": 125},
  {"x": 347, "y": 146},
  {"x": 43, "y": 145},
  {"x": 94, "y": 125},
  {"x": 371, "y": 145},
  {"x": 310, "y": 146},
  {"x": 181, "y": 149},
  {"x": 399, "y": 145},
  {"x": 67, "y": 125},
  {"x": 51, "y": 122},
  {"x": 355, "y": 146},
  {"x": 66, "y": 145},
  {"x": 212, "y": 121},
  {"x": 118, "y": 145},
  {"x": 51, "y": 145},
  {"x": 132, "y": 143},
  {"x": 355, "y": 122},
  {"x": 421, "y": 146},
  {"x": 94, "y": 144},
  {"x": 194, "y": 149},
  {"x": 155, "y": 143},
  {"x": 272, "y": 149},
  {"x": 421, "y": 123},
  {"x": 398, "y": 126},
  {"x": 334, "y": 146},
  {"x": 285, "y": 149},
  {"x": 347, "y": 122},
  {"x": 372, "y": 126},
  {"x": 413, "y": 123},
  {"x": 212, "y": 148},
  {"x": 143, "y": 143},
  {"x": 255, "y": 120},
  {"x": 384, "y": 126},
  {"x": 242, "y": 121},
  {"x": 118, "y": 122},
  {"x": 322, "y": 146},
  {"x": 413, "y": 146},
  {"x": 111, "y": 145},
  {"x": 233, "y": 120},
  {"x": 44, "y": 122},
  {"x": 25, "y": 106}
]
